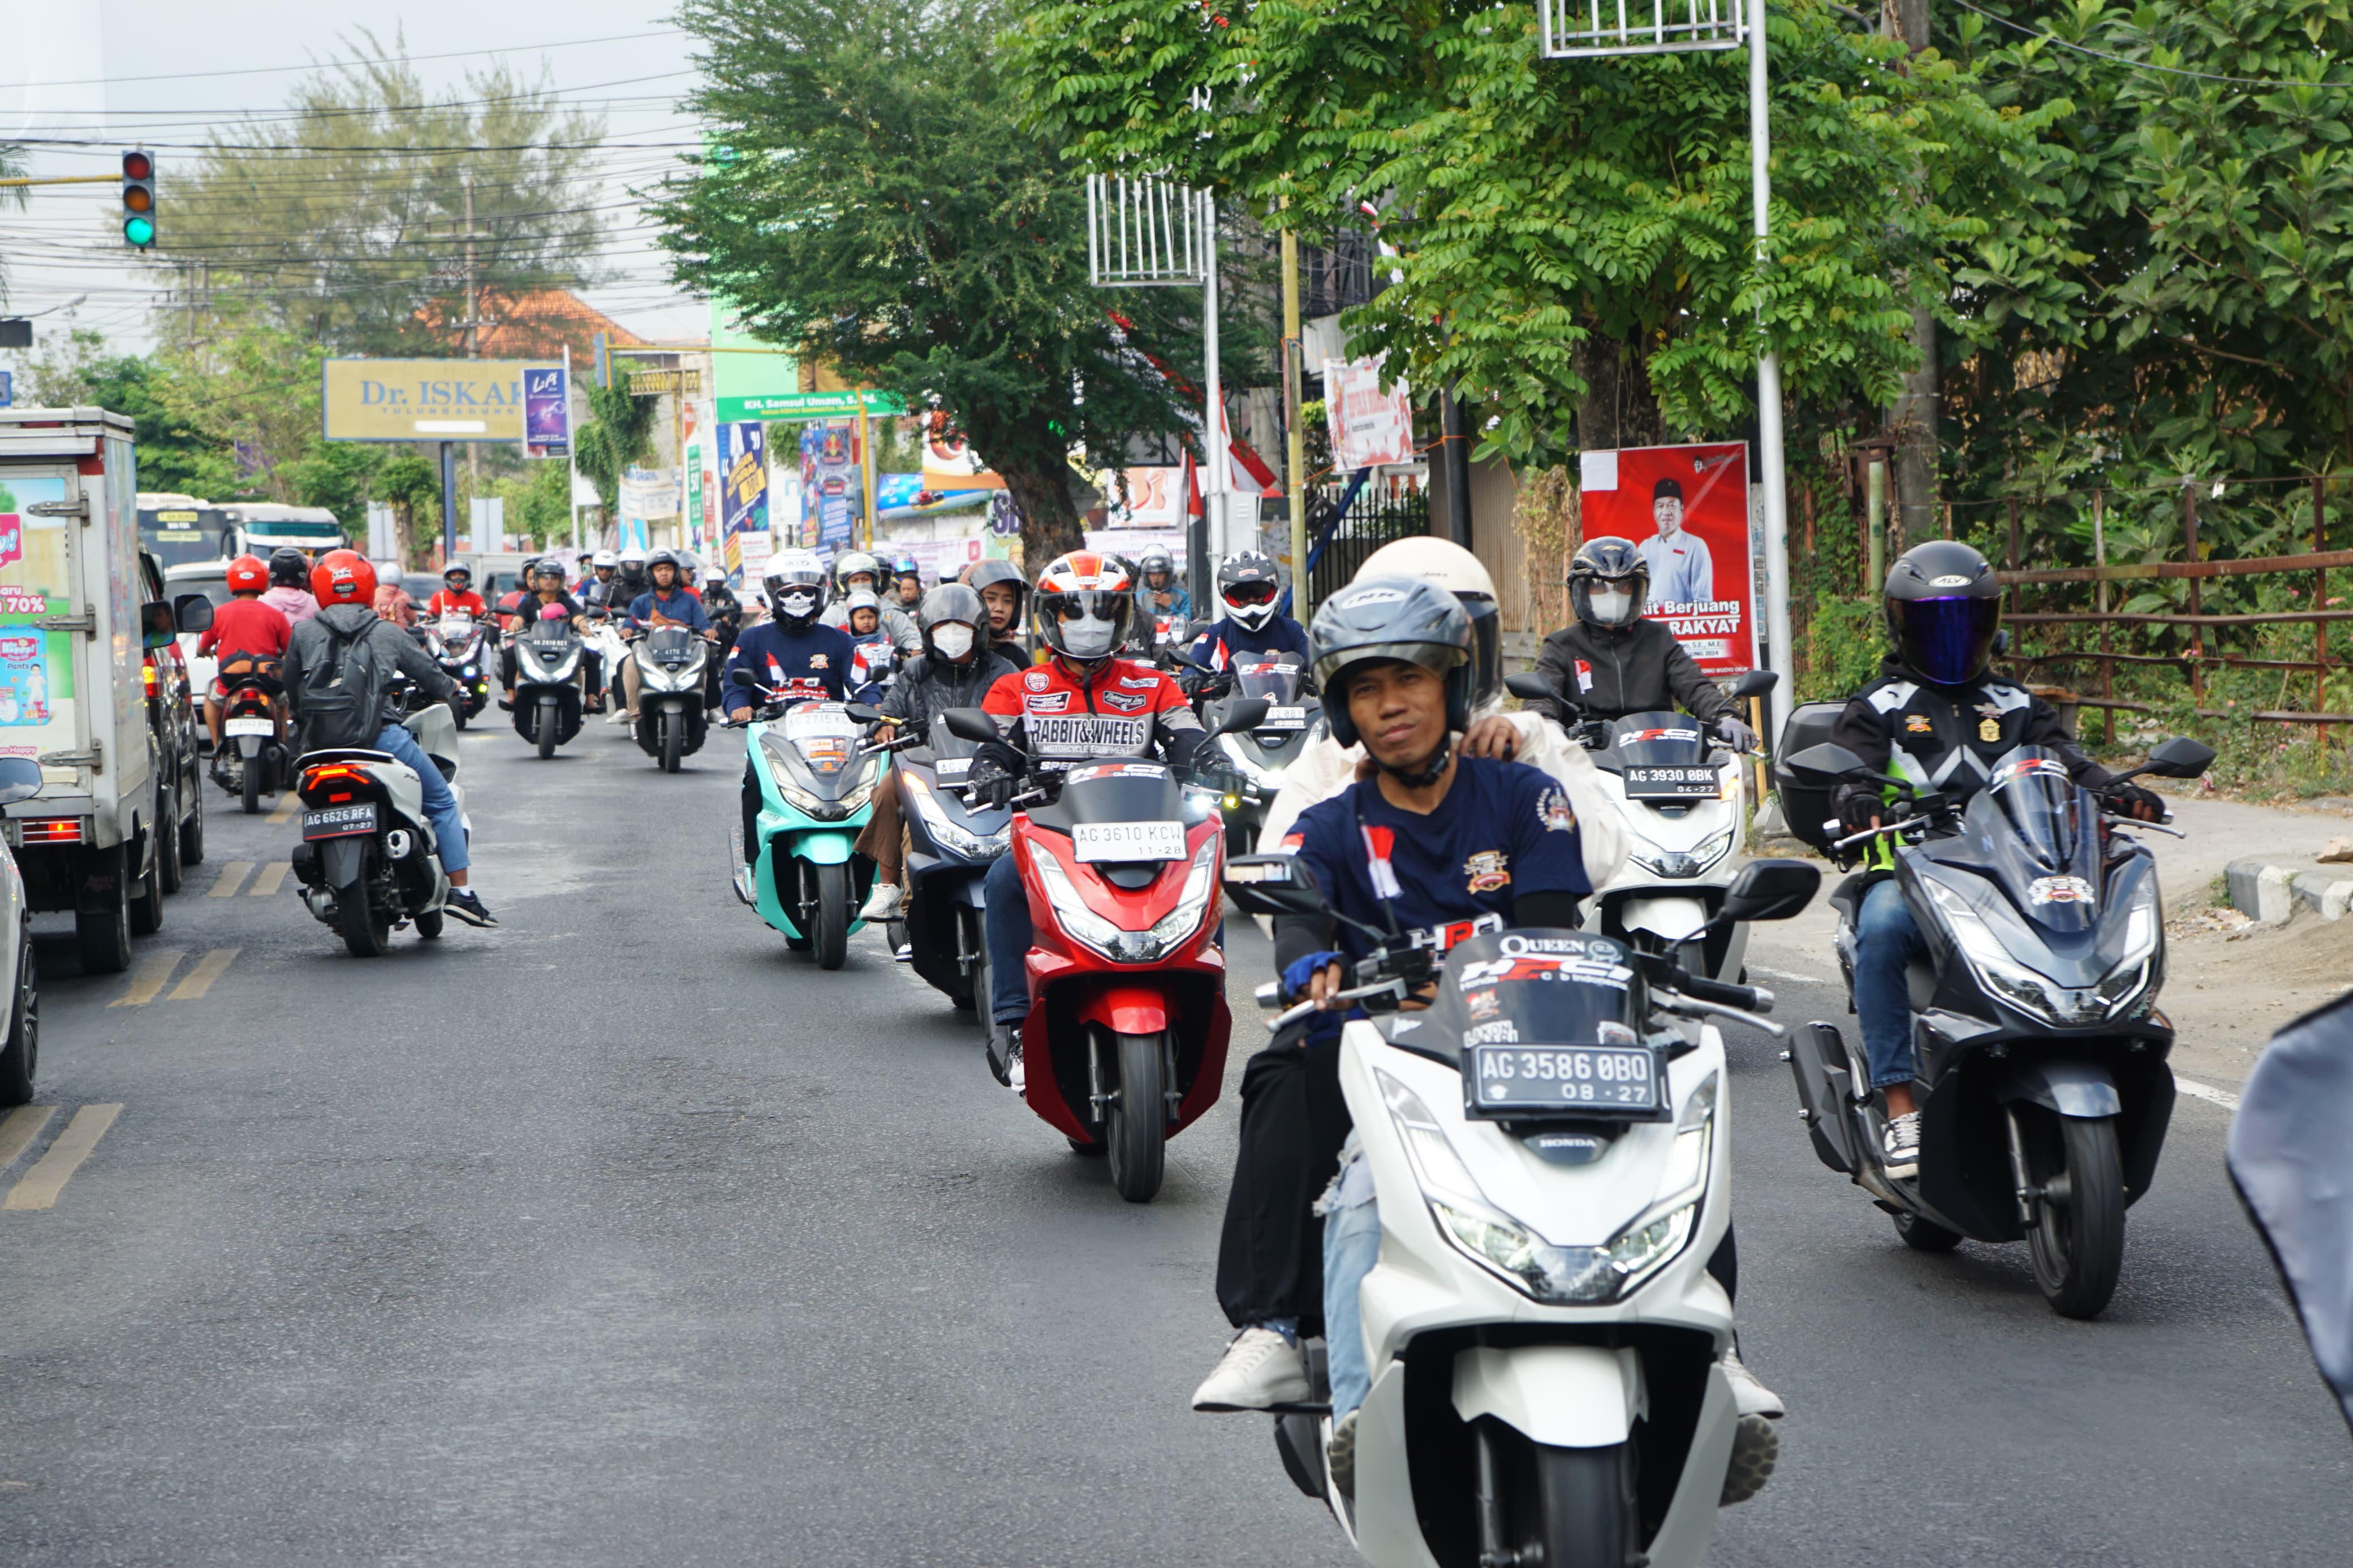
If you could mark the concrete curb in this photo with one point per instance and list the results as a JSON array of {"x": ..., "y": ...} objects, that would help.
[{"x": 2270, "y": 894}]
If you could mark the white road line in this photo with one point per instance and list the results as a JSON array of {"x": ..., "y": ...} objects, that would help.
[
  {"x": 2207, "y": 1092},
  {"x": 1788, "y": 975}
]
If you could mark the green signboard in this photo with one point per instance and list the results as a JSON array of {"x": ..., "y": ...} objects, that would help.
[{"x": 807, "y": 405}]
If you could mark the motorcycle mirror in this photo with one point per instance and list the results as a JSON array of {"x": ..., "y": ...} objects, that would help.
[
  {"x": 192, "y": 613},
  {"x": 1273, "y": 885},
  {"x": 970, "y": 724},
  {"x": 1770, "y": 890},
  {"x": 1529, "y": 687},
  {"x": 745, "y": 678},
  {"x": 2180, "y": 758},
  {"x": 862, "y": 712},
  {"x": 20, "y": 778},
  {"x": 1247, "y": 714},
  {"x": 1826, "y": 762},
  {"x": 1755, "y": 683}
]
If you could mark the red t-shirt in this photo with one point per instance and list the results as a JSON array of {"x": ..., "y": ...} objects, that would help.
[
  {"x": 246, "y": 626},
  {"x": 468, "y": 602},
  {"x": 1112, "y": 715}
]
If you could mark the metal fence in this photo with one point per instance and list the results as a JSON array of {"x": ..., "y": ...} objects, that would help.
[{"x": 1377, "y": 512}]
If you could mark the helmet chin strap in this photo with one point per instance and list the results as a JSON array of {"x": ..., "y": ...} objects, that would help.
[{"x": 1425, "y": 775}]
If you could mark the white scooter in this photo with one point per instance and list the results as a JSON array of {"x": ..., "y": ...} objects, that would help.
[
  {"x": 1679, "y": 796},
  {"x": 368, "y": 861},
  {"x": 1549, "y": 1147}
]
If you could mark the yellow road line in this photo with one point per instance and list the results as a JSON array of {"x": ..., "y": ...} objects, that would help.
[
  {"x": 271, "y": 877},
  {"x": 148, "y": 979},
  {"x": 48, "y": 1178},
  {"x": 207, "y": 970},
  {"x": 286, "y": 805},
  {"x": 19, "y": 1128},
  {"x": 225, "y": 885}
]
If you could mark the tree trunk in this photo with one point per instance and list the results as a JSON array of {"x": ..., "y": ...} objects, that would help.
[
  {"x": 1619, "y": 409},
  {"x": 1049, "y": 523}
]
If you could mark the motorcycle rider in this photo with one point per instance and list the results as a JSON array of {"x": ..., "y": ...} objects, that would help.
[
  {"x": 907, "y": 586},
  {"x": 855, "y": 571},
  {"x": 1163, "y": 594},
  {"x": 790, "y": 653},
  {"x": 1610, "y": 661},
  {"x": 1937, "y": 718},
  {"x": 955, "y": 669},
  {"x": 1082, "y": 702},
  {"x": 1249, "y": 583},
  {"x": 876, "y": 655},
  {"x": 1003, "y": 592},
  {"x": 456, "y": 596},
  {"x": 667, "y": 603},
  {"x": 246, "y": 624},
  {"x": 392, "y": 601},
  {"x": 345, "y": 584},
  {"x": 545, "y": 578},
  {"x": 289, "y": 592},
  {"x": 726, "y": 613}
]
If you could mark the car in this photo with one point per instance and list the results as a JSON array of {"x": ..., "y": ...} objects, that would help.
[
  {"x": 20, "y": 1048},
  {"x": 179, "y": 737}
]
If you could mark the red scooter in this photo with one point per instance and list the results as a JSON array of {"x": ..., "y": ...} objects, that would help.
[{"x": 1125, "y": 1043}]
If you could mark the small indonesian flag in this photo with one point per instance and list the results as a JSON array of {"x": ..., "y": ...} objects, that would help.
[{"x": 1378, "y": 842}]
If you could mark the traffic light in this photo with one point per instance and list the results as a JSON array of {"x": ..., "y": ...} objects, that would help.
[{"x": 139, "y": 199}]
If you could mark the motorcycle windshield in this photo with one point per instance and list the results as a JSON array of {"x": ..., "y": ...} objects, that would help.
[
  {"x": 824, "y": 735},
  {"x": 2041, "y": 834},
  {"x": 670, "y": 646},
  {"x": 1532, "y": 987},
  {"x": 1658, "y": 740},
  {"x": 1115, "y": 792},
  {"x": 1277, "y": 681},
  {"x": 455, "y": 624}
]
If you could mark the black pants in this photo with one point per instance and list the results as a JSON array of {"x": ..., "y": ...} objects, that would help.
[
  {"x": 750, "y": 809},
  {"x": 1295, "y": 1120}
]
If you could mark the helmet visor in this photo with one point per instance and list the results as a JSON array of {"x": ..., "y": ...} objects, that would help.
[
  {"x": 1250, "y": 593},
  {"x": 1947, "y": 640}
]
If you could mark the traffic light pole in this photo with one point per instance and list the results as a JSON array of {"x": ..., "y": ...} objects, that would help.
[{"x": 448, "y": 502}]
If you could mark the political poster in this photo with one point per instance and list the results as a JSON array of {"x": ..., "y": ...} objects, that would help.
[
  {"x": 1368, "y": 426},
  {"x": 742, "y": 494},
  {"x": 1686, "y": 510},
  {"x": 832, "y": 488},
  {"x": 546, "y": 412}
]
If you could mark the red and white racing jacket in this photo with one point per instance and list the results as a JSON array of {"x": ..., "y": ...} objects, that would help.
[{"x": 1121, "y": 712}]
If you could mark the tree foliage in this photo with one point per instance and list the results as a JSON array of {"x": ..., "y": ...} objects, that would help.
[{"x": 875, "y": 201}]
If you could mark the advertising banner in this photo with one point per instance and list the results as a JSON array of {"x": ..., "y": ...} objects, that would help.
[
  {"x": 426, "y": 399},
  {"x": 1686, "y": 510},
  {"x": 1156, "y": 498},
  {"x": 832, "y": 488},
  {"x": 953, "y": 466},
  {"x": 1368, "y": 426},
  {"x": 786, "y": 406},
  {"x": 546, "y": 412},
  {"x": 37, "y": 690},
  {"x": 743, "y": 496}
]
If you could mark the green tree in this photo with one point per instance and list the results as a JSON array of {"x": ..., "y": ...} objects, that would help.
[
  {"x": 620, "y": 432},
  {"x": 876, "y": 201},
  {"x": 1572, "y": 237}
]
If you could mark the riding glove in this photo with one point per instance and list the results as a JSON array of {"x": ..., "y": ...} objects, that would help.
[
  {"x": 2129, "y": 799},
  {"x": 1734, "y": 734}
]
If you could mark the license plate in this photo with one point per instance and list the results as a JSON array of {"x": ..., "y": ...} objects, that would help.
[
  {"x": 1654, "y": 784},
  {"x": 1284, "y": 719},
  {"x": 1129, "y": 840},
  {"x": 1591, "y": 1079},
  {"x": 339, "y": 821},
  {"x": 249, "y": 727},
  {"x": 955, "y": 767}
]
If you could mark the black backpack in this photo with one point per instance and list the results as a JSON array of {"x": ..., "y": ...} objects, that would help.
[{"x": 341, "y": 702}]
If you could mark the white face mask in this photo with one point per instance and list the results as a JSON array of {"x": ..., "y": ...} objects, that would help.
[
  {"x": 1087, "y": 639},
  {"x": 1611, "y": 609},
  {"x": 953, "y": 639},
  {"x": 800, "y": 602}
]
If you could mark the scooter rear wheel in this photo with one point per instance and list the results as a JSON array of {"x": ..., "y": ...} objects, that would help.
[
  {"x": 830, "y": 929},
  {"x": 366, "y": 930},
  {"x": 2079, "y": 1246},
  {"x": 251, "y": 768},
  {"x": 1137, "y": 1133}
]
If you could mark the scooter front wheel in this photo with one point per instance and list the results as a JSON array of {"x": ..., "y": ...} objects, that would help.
[
  {"x": 2078, "y": 1245},
  {"x": 831, "y": 929},
  {"x": 1137, "y": 1133},
  {"x": 673, "y": 730},
  {"x": 1576, "y": 1508}
]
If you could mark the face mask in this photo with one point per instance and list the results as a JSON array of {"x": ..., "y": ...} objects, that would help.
[
  {"x": 797, "y": 604},
  {"x": 1088, "y": 638},
  {"x": 1611, "y": 609},
  {"x": 953, "y": 639}
]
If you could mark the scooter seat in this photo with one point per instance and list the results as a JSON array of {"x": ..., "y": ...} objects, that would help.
[{"x": 1846, "y": 897}]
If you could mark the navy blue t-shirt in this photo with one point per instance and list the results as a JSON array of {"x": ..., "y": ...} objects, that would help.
[
  {"x": 1217, "y": 646},
  {"x": 813, "y": 664},
  {"x": 1503, "y": 829}
]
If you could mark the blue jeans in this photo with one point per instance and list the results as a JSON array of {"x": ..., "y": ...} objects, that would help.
[
  {"x": 440, "y": 801},
  {"x": 1008, "y": 941},
  {"x": 1352, "y": 1245},
  {"x": 1886, "y": 940}
]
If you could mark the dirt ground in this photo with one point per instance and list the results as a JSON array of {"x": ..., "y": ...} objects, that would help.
[{"x": 2229, "y": 987}]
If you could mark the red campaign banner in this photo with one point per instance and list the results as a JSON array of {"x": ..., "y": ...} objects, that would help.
[{"x": 1686, "y": 510}]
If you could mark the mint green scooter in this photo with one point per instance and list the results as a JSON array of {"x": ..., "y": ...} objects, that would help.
[{"x": 817, "y": 786}]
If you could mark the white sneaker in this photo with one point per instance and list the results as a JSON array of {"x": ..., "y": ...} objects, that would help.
[
  {"x": 1750, "y": 1397},
  {"x": 883, "y": 903},
  {"x": 1902, "y": 1147},
  {"x": 1258, "y": 1371}
]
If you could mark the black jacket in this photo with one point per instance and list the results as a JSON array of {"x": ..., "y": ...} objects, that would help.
[
  {"x": 1639, "y": 668},
  {"x": 1948, "y": 738},
  {"x": 926, "y": 688}
]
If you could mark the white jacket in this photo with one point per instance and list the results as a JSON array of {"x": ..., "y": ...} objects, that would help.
[{"x": 1324, "y": 767}]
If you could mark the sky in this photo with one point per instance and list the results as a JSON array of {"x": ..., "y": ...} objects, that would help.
[{"x": 159, "y": 72}]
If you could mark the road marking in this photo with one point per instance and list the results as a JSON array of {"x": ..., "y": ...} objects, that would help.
[
  {"x": 286, "y": 805},
  {"x": 225, "y": 885},
  {"x": 19, "y": 1128},
  {"x": 1789, "y": 974},
  {"x": 148, "y": 979},
  {"x": 48, "y": 1178},
  {"x": 2207, "y": 1092},
  {"x": 207, "y": 970},
  {"x": 272, "y": 876}
]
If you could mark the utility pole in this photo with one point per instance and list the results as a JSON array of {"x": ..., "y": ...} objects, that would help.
[
  {"x": 1913, "y": 417},
  {"x": 1295, "y": 454},
  {"x": 473, "y": 324},
  {"x": 1456, "y": 449},
  {"x": 1212, "y": 534}
]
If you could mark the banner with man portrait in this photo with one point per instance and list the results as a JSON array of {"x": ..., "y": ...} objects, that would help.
[{"x": 1685, "y": 509}]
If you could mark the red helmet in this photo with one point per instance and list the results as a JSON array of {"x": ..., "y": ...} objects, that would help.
[
  {"x": 248, "y": 575},
  {"x": 344, "y": 578},
  {"x": 1086, "y": 603}
]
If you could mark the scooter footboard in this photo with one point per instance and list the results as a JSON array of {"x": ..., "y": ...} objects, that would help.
[{"x": 1564, "y": 1396}]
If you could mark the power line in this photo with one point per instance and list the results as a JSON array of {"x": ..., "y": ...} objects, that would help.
[
  {"x": 2140, "y": 65},
  {"x": 337, "y": 64}
]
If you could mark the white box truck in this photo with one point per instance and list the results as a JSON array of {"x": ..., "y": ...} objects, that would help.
[{"x": 73, "y": 633}]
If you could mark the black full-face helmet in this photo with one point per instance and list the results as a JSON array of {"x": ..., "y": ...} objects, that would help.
[
  {"x": 289, "y": 568},
  {"x": 1943, "y": 606},
  {"x": 1401, "y": 618},
  {"x": 1605, "y": 561}
]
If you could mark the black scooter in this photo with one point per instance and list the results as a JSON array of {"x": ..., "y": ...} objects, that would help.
[
  {"x": 547, "y": 657},
  {"x": 952, "y": 841},
  {"x": 2034, "y": 1023}
]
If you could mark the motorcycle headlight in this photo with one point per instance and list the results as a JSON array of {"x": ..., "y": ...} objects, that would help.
[
  {"x": 953, "y": 835},
  {"x": 2022, "y": 987},
  {"x": 1679, "y": 863},
  {"x": 1201, "y": 887},
  {"x": 1071, "y": 910}
]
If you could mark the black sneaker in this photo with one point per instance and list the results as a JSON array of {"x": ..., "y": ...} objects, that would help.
[
  {"x": 468, "y": 906},
  {"x": 1002, "y": 1068}
]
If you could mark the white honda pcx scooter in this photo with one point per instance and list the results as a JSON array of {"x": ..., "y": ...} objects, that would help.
[{"x": 1548, "y": 1144}]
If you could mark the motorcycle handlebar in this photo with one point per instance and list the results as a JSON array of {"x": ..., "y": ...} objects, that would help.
[
  {"x": 1676, "y": 1002},
  {"x": 1747, "y": 998}
]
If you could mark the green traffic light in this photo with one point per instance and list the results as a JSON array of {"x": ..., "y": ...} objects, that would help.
[{"x": 139, "y": 230}]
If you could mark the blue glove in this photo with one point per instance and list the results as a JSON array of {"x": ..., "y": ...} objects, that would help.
[{"x": 1301, "y": 971}]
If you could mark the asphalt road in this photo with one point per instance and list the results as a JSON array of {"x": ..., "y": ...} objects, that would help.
[{"x": 622, "y": 1235}]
